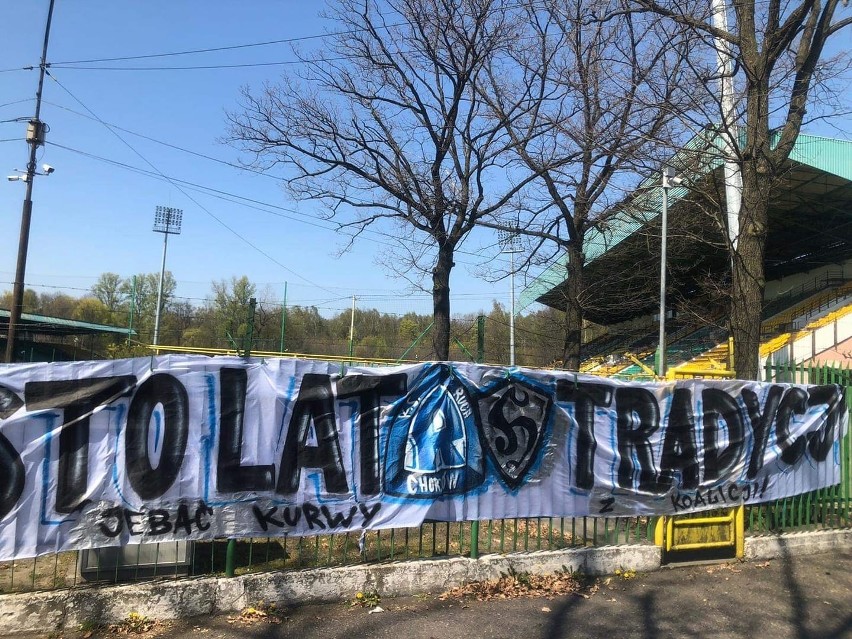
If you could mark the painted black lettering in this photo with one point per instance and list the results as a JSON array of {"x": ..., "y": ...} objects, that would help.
[
  {"x": 132, "y": 519},
  {"x": 638, "y": 419},
  {"x": 183, "y": 520},
  {"x": 158, "y": 522},
  {"x": 794, "y": 402},
  {"x": 292, "y": 520},
  {"x": 312, "y": 514},
  {"x": 606, "y": 505},
  {"x": 585, "y": 398},
  {"x": 369, "y": 389},
  {"x": 231, "y": 476},
  {"x": 719, "y": 462},
  {"x": 12, "y": 477},
  {"x": 315, "y": 404},
  {"x": 368, "y": 512},
  {"x": 167, "y": 391},
  {"x": 734, "y": 492},
  {"x": 335, "y": 520},
  {"x": 10, "y": 403},
  {"x": 760, "y": 423},
  {"x": 202, "y": 511},
  {"x": 115, "y": 516},
  {"x": 680, "y": 453},
  {"x": 77, "y": 399},
  {"x": 266, "y": 518},
  {"x": 821, "y": 441}
]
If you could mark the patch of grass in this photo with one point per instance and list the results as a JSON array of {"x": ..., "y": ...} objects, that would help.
[{"x": 368, "y": 599}]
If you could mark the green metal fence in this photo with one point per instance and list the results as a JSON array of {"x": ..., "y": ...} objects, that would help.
[
  {"x": 821, "y": 509},
  {"x": 432, "y": 540}
]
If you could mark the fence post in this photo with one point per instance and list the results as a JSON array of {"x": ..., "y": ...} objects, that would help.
[
  {"x": 231, "y": 558},
  {"x": 480, "y": 356},
  {"x": 231, "y": 550}
]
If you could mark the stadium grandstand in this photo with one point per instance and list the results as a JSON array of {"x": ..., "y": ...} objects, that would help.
[{"x": 807, "y": 310}]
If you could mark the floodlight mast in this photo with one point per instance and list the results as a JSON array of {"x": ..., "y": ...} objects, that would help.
[
  {"x": 35, "y": 138},
  {"x": 509, "y": 244},
  {"x": 669, "y": 179},
  {"x": 167, "y": 221}
]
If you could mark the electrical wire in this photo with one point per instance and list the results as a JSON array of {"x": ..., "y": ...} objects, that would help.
[
  {"x": 225, "y": 48},
  {"x": 252, "y": 203},
  {"x": 200, "y": 67},
  {"x": 169, "y": 144},
  {"x": 5, "y": 104},
  {"x": 182, "y": 190}
]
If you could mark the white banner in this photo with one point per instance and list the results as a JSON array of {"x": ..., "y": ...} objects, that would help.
[{"x": 104, "y": 453}]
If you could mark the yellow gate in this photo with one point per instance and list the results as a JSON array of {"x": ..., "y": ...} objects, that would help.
[{"x": 711, "y": 535}]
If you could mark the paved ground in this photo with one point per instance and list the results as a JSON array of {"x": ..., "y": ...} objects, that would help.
[{"x": 793, "y": 597}]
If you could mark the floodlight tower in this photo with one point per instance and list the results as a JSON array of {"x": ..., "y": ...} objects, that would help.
[
  {"x": 167, "y": 221},
  {"x": 669, "y": 179},
  {"x": 509, "y": 244}
]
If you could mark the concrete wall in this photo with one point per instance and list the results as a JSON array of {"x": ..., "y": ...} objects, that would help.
[
  {"x": 169, "y": 599},
  {"x": 774, "y": 288}
]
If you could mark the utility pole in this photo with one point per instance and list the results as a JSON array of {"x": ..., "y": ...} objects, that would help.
[
  {"x": 352, "y": 332},
  {"x": 35, "y": 138},
  {"x": 283, "y": 320},
  {"x": 132, "y": 308}
]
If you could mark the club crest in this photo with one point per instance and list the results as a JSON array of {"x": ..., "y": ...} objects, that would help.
[
  {"x": 514, "y": 416},
  {"x": 433, "y": 450}
]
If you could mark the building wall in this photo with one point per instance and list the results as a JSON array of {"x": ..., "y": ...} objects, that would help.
[{"x": 774, "y": 288}]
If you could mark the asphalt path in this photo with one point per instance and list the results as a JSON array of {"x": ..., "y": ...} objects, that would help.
[{"x": 797, "y": 597}]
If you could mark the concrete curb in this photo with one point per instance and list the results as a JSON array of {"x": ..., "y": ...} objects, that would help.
[{"x": 69, "y": 609}]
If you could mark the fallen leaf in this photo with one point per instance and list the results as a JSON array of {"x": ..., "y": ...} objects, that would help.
[{"x": 545, "y": 609}]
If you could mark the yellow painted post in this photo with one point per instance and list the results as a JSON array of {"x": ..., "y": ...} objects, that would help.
[
  {"x": 739, "y": 530},
  {"x": 660, "y": 531}
]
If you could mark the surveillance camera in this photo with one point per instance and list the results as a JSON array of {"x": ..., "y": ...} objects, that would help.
[
  {"x": 47, "y": 169},
  {"x": 13, "y": 178}
]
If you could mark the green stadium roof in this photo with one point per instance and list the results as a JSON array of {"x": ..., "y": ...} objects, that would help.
[{"x": 810, "y": 155}]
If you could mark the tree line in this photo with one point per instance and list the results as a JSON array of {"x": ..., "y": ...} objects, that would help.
[{"x": 225, "y": 320}]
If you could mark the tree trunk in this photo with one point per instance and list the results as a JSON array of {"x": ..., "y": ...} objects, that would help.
[
  {"x": 748, "y": 280},
  {"x": 441, "y": 303},
  {"x": 573, "y": 309}
]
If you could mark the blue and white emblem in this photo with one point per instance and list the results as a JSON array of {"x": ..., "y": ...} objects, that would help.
[{"x": 433, "y": 449}]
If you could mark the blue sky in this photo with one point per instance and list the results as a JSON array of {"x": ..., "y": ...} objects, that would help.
[{"x": 92, "y": 216}]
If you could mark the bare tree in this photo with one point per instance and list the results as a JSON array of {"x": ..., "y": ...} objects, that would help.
[
  {"x": 388, "y": 125},
  {"x": 597, "y": 88},
  {"x": 777, "y": 59}
]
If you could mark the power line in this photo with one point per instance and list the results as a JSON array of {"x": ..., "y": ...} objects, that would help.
[
  {"x": 179, "y": 188},
  {"x": 248, "y": 45},
  {"x": 247, "y": 202},
  {"x": 5, "y": 104},
  {"x": 200, "y": 67},
  {"x": 169, "y": 144}
]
